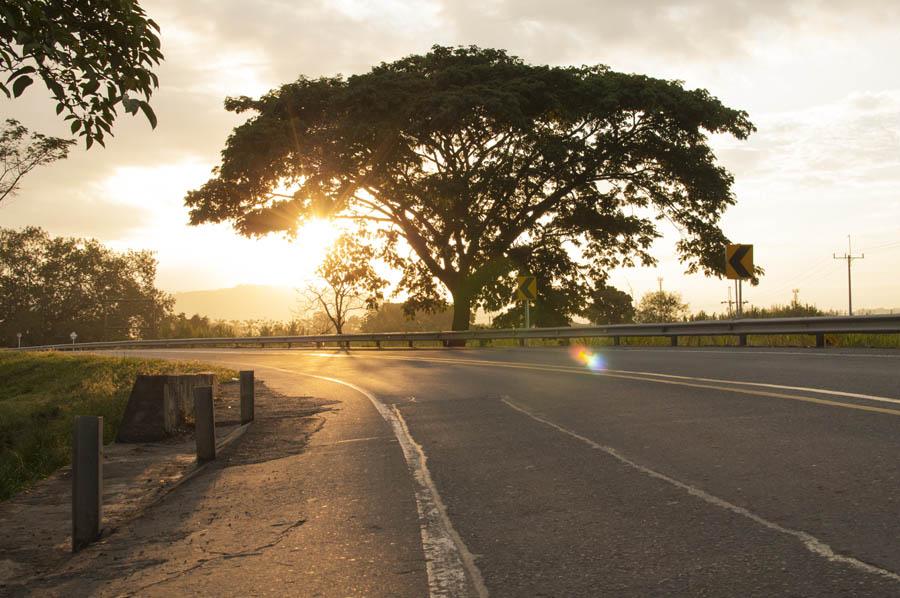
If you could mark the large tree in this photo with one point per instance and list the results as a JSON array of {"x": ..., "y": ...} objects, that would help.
[
  {"x": 470, "y": 155},
  {"x": 92, "y": 55},
  {"x": 52, "y": 286}
]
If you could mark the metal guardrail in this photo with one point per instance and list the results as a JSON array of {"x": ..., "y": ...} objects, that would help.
[{"x": 819, "y": 327}]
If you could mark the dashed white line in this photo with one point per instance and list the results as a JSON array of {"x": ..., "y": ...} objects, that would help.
[{"x": 810, "y": 542}]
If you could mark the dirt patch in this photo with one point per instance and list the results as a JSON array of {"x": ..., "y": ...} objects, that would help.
[{"x": 36, "y": 535}]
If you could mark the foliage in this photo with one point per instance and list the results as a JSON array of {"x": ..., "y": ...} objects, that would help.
[
  {"x": 609, "y": 305},
  {"x": 791, "y": 310},
  {"x": 391, "y": 317},
  {"x": 93, "y": 55},
  {"x": 561, "y": 286},
  {"x": 661, "y": 306},
  {"x": 348, "y": 281},
  {"x": 21, "y": 152},
  {"x": 471, "y": 157},
  {"x": 42, "y": 393},
  {"x": 50, "y": 287}
]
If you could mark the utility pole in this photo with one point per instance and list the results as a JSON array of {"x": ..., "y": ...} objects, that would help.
[
  {"x": 849, "y": 257},
  {"x": 659, "y": 280},
  {"x": 796, "y": 292},
  {"x": 730, "y": 302}
]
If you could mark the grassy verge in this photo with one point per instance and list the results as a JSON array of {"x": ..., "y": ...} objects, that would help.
[{"x": 41, "y": 393}]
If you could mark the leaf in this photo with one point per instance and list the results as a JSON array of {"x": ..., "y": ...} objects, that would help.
[
  {"x": 25, "y": 70},
  {"x": 60, "y": 107},
  {"x": 148, "y": 112},
  {"x": 76, "y": 124},
  {"x": 20, "y": 84}
]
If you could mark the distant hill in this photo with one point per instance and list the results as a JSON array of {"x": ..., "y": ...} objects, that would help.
[{"x": 243, "y": 302}]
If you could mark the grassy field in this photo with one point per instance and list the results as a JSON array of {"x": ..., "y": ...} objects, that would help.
[{"x": 41, "y": 393}]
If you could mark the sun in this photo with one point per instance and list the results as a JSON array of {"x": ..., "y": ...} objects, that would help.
[{"x": 317, "y": 235}]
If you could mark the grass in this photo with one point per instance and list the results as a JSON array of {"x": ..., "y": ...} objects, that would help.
[{"x": 40, "y": 395}]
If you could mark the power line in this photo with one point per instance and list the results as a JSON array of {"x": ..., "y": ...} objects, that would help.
[{"x": 849, "y": 257}]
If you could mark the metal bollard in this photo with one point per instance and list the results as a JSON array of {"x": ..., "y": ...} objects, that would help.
[
  {"x": 204, "y": 423},
  {"x": 87, "y": 480},
  {"x": 248, "y": 396}
]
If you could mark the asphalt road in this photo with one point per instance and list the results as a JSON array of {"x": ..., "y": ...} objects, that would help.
[{"x": 659, "y": 472}]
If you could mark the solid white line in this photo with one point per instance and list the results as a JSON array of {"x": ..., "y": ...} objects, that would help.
[
  {"x": 810, "y": 542},
  {"x": 581, "y": 370},
  {"x": 451, "y": 568},
  {"x": 745, "y": 351}
]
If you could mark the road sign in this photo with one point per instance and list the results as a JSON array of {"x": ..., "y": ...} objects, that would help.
[
  {"x": 739, "y": 261},
  {"x": 527, "y": 289},
  {"x": 73, "y": 336}
]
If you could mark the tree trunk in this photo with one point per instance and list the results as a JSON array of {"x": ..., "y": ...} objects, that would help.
[{"x": 462, "y": 315}]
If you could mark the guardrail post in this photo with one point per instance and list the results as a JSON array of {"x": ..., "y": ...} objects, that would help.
[
  {"x": 674, "y": 340},
  {"x": 248, "y": 396},
  {"x": 742, "y": 340},
  {"x": 204, "y": 423},
  {"x": 318, "y": 345},
  {"x": 521, "y": 342},
  {"x": 377, "y": 344},
  {"x": 87, "y": 480},
  {"x": 820, "y": 340},
  {"x": 615, "y": 341},
  {"x": 410, "y": 344}
]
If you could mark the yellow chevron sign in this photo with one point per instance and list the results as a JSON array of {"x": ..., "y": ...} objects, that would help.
[
  {"x": 739, "y": 261},
  {"x": 527, "y": 288}
]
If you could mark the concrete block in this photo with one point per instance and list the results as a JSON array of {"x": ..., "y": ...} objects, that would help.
[{"x": 160, "y": 405}]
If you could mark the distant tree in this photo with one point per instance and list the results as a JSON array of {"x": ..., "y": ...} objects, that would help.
[
  {"x": 469, "y": 155},
  {"x": 661, "y": 306},
  {"x": 21, "y": 152},
  {"x": 609, "y": 305},
  {"x": 93, "y": 55},
  {"x": 348, "y": 282},
  {"x": 52, "y": 286}
]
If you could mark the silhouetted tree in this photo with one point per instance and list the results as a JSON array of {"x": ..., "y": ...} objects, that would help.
[
  {"x": 348, "y": 281},
  {"x": 609, "y": 305},
  {"x": 50, "y": 287},
  {"x": 21, "y": 152},
  {"x": 93, "y": 56},
  {"x": 469, "y": 155},
  {"x": 661, "y": 306}
]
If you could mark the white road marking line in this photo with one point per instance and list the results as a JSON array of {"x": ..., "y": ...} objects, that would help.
[
  {"x": 630, "y": 375},
  {"x": 810, "y": 542},
  {"x": 745, "y": 351},
  {"x": 451, "y": 568}
]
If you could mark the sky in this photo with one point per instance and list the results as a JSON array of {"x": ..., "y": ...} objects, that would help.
[{"x": 818, "y": 78}]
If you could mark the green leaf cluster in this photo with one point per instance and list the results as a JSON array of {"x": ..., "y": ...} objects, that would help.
[{"x": 92, "y": 55}]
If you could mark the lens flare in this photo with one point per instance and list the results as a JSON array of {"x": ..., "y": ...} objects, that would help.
[{"x": 586, "y": 357}]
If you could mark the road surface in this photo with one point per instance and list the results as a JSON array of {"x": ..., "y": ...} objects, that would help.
[{"x": 636, "y": 471}]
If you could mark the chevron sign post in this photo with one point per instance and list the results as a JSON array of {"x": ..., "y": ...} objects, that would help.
[
  {"x": 739, "y": 266},
  {"x": 526, "y": 290}
]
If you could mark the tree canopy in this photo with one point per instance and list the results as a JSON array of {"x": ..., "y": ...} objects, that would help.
[
  {"x": 348, "y": 281},
  {"x": 93, "y": 55},
  {"x": 473, "y": 164},
  {"x": 52, "y": 286},
  {"x": 661, "y": 306}
]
